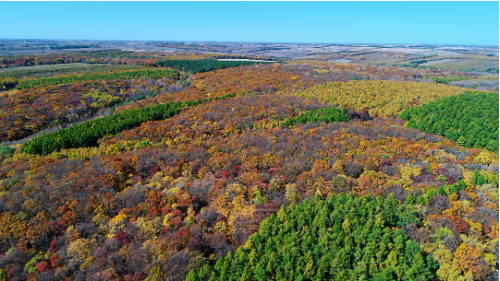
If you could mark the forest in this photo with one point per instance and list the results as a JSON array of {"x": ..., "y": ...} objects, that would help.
[
  {"x": 326, "y": 115},
  {"x": 381, "y": 98},
  {"x": 60, "y": 69},
  {"x": 340, "y": 238},
  {"x": 31, "y": 110},
  {"x": 469, "y": 119},
  {"x": 88, "y": 133},
  {"x": 110, "y": 56},
  {"x": 74, "y": 47},
  {"x": 195, "y": 66},
  {"x": 117, "y": 74},
  {"x": 449, "y": 79},
  {"x": 223, "y": 170}
]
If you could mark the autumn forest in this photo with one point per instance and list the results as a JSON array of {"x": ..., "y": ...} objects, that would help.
[{"x": 146, "y": 165}]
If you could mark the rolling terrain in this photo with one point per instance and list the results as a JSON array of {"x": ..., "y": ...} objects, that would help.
[{"x": 178, "y": 166}]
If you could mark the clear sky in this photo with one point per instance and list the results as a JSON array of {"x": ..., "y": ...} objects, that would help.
[{"x": 317, "y": 22}]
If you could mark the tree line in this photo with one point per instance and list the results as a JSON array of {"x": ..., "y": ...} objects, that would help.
[
  {"x": 452, "y": 78},
  {"x": 74, "y": 47}
]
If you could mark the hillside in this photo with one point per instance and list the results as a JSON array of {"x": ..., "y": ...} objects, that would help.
[{"x": 295, "y": 170}]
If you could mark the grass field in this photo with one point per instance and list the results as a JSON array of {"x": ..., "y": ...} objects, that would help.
[{"x": 59, "y": 69}]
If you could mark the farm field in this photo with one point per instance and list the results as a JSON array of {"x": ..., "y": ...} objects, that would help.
[{"x": 142, "y": 165}]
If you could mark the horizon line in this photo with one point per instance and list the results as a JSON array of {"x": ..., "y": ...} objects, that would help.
[{"x": 256, "y": 42}]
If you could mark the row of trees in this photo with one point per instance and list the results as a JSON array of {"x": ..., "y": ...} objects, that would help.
[
  {"x": 65, "y": 47},
  {"x": 88, "y": 133},
  {"x": 470, "y": 119},
  {"x": 195, "y": 66},
  {"x": 327, "y": 115},
  {"x": 452, "y": 78},
  {"x": 153, "y": 73},
  {"x": 341, "y": 238}
]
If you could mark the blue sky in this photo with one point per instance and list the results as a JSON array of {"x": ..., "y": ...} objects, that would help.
[{"x": 319, "y": 22}]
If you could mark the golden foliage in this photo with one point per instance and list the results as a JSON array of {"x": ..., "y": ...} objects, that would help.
[{"x": 382, "y": 98}]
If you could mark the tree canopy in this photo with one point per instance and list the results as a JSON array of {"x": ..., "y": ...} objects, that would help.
[
  {"x": 340, "y": 238},
  {"x": 469, "y": 119}
]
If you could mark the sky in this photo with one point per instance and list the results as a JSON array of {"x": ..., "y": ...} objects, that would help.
[{"x": 471, "y": 23}]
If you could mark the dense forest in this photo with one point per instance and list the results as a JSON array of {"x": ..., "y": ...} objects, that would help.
[
  {"x": 326, "y": 115},
  {"x": 381, "y": 98},
  {"x": 195, "y": 66},
  {"x": 117, "y": 74},
  {"x": 469, "y": 119},
  {"x": 340, "y": 238},
  {"x": 61, "y": 69},
  {"x": 449, "y": 79},
  {"x": 30, "y": 110},
  {"x": 111, "y": 56},
  {"x": 91, "y": 57},
  {"x": 88, "y": 133},
  {"x": 302, "y": 170}
]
